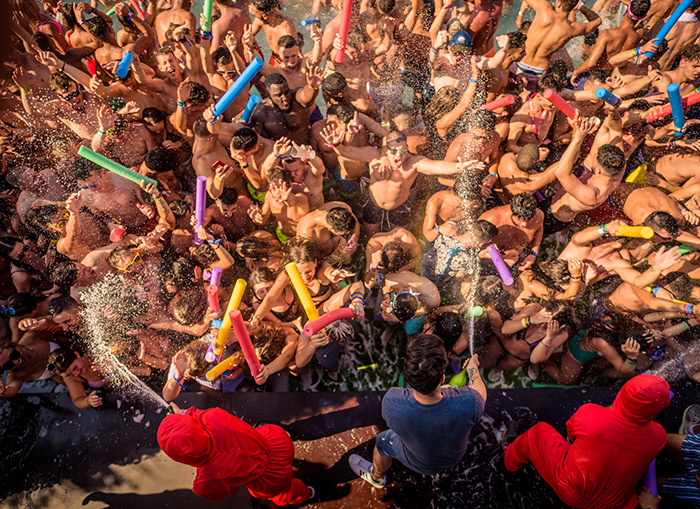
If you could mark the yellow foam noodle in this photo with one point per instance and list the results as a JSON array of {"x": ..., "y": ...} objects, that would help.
[
  {"x": 233, "y": 303},
  {"x": 225, "y": 365},
  {"x": 644, "y": 232},
  {"x": 302, "y": 291},
  {"x": 637, "y": 175}
]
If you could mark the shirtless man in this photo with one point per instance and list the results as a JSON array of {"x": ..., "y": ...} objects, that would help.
[
  {"x": 228, "y": 216},
  {"x": 394, "y": 251},
  {"x": 109, "y": 50},
  {"x": 452, "y": 67},
  {"x": 593, "y": 187},
  {"x": 333, "y": 27},
  {"x": 550, "y": 30},
  {"x": 27, "y": 358},
  {"x": 685, "y": 75},
  {"x": 75, "y": 108},
  {"x": 334, "y": 229},
  {"x": 446, "y": 209},
  {"x": 392, "y": 174},
  {"x": 286, "y": 113},
  {"x": 518, "y": 173},
  {"x": 686, "y": 31},
  {"x": 206, "y": 153},
  {"x": 178, "y": 14},
  {"x": 121, "y": 141},
  {"x": 292, "y": 64},
  {"x": 614, "y": 40},
  {"x": 481, "y": 24},
  {"x": 408, "y": 299},
  {"x": 499, "y": 78},
  {"x": 175, "y": 73},
  {"x": 227, "y": 68},
  {"x": 192, "y": 100},
  {"x": 268, "y": 17},
  {"x": 282, "y": 201},
  {"x": 520, "y": 229}
]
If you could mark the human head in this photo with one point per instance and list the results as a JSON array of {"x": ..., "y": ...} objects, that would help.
[
  {"x": 64, "y": 310},
  {"x": 444, "y": 101},
  {"x": 280, "y": 95},
  {"x": 183, "y": 274},
  {"x": 70, "y": 273},
  {"x": 638, "y": 9},
  {"x": 341, "y": 221},
  {"x": 125, "y": 259},
  {"x": 565, "y": 5},
  {"x": 460, "y": 44},
  {"x": 425, "y": 364},
  {"x": 168, "y": 63},
  {"x": 243, "y": 141},
  {"x": 484, "y": 232},
  {"x": 198, "y": 98},
  {"x": 394, "y": 256},
  {"x": 397, "y": 148},
  {"x": 663, "y": 224},
  {"x": 19, "y": 304},
  {"x": 154, "y": 119},
  {"x": 190, "y": 305},
  {"x": 260, "y": 281},
  {"x": 201, "y": 131},
  {"x": 262, "y": 9},
  {"x": 611, "y": 160},
  {"x": 224, "y": 63},
  {"x": 52, "y": 217},
  {"x": 689, "y": 65},
  {"x": 516, "y": 46},
  {"x": 305, "y": 255},
  {"x": 159, "y": 160},
  {"x": 545, "y": 82},
  {"x": 289, "y": 52},
  {"x": 405, "y": 304},
  {"x": 642, "y": 398},
  {"x": 528, "y": 157},
  {"x": 67, "y": 89},
  {"x": 339, "y": 115},
  {"x": 481, "y": 126},
  {"x": 454, "y": 26},
  {"x": 448, "y": 327},
  {"x": 523, "y": 206},
  {"x": 227, "y": 202},
  {"x": 98, "y": 28},
  {"x": 333, "y": 88},
  {"x": 64, "y": 361}
]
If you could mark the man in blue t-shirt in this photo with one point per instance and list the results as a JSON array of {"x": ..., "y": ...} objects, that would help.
[{"x": 430, "y": 423}]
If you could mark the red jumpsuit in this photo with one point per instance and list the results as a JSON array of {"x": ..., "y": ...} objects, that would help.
[
  {"x": 609, "y": 451},
  {"x": 229, "y": 453}
]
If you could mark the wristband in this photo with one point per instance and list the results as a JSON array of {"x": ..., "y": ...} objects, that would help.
[
  {"x": 520, "y": 13},
  {"x": 436, "y": 229},
  {"x": 181, "y": 104},
  {"x": 243, "y": 165},
  {"x": 312, "y": 87},
  {"x": 214, "y": 242},
  {"x": 25, "y": 91},
  {"x": 433, "y": 50},
  {"x": 630, "y": 362},
  {"x": 177, "y": 381},
  {"x": 524, "y": 323},
  {"x": 688, "y": 309},
  {"x": 493, "y": 174},
  {"x": 602, "y": 231},
  {"x": 536, "y": 253},
  {"x": 102, "y": 132},
  {"x": 472, "y": 80},
  {"x": 686, "y": 325},
  {"x": 636, "y": 51},
  {"x": 206, "y": 35},
  {"x": 255, "y": 318}
]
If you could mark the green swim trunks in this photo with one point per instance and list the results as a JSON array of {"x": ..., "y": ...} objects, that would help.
[
  {"x": 255, "y": 194},
  {"x": 281, "y": 236}
]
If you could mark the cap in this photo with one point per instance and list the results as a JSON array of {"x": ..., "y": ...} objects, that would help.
[{"x": 461, "y": 41}]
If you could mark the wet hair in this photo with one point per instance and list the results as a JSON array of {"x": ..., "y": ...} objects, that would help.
[
  {"x": 222, "y": 56},
  {"x": 190, "y": 305},
  {"x": 448, "y": 327},
  {"x": 244, "y": 139},
  {"x": 42, "y": 40},
  {"x": 286, "y": 42},
  {"x": 159, "y": 160},
  {"x": 204, "y": 254},
  {"x": 261, "y": 275},
  {"x": 278, "y": 176},
  {"x": 182, "y": 273},
  {"x": 385, "y": 6},
  {"x": 549, "y": 80},
  {"x": 640, "y": 105},
  {"x": 679, "y": 284},
  {"x": 468, "y": 186},
  {"x": 228, "y": 196},
  {"x": 334, "y": 85},
  {"x": 597, "y": 75},
  {"x": 528, "y": 157},
  {"x": 398, "y": 136},
  {"x": 115, "y": 256},
  {"x": 274, "y": 79},
  {"x": 394, "y": 256},
  {"x": 444, "y": 101},
  {"x": 97, "y": 27},
  {"x": 568, "y": 5},
  {"x": 405, "y": 306},
  {"x": 61, "y": 81},
  {"x": 63, "y": 274},
  {"x": 691, "y": 53},
  {"x": 68, "y": 14},
  {"x": 611, "y": 159},
  {"x": 169, "y": 32},
  {"x": 554, "y": 275},
  {"x": 266, "y": 5},
  {"x": 460, "y": 26},
  {"x": 302, "y": 251},
  {"x": 153, "y": 114},
  {"x": 198, "y": 94},
  {"x": 256, "y": 248},
  {"x": 197, "y": 364},
  {"x": 341, "y": 219},
  {"x": 83, "y": 169},
  {"x": 425, "y": 363},
  {"x": 22, "y": 303},
  {"x": 661, "y": 220},
  {"x": 639, "y": 8},
  {"x": 516, "y": 40},
  {"x": 345, "y": 112},
  {"x": 482, "y": 119},
  {"x": 62, "y": 304},
  {"x": 179, "y": 207},
  {"x": 60, "y": 360},
  {"x": 45, "y": 214},
  {"x": 692, "y": 132},
  {"x": 523, "y": 206},
  {"x": 484, "y": 231},
  {"x": 200, "y": 129},
  {"x": 591, "y": 37}
]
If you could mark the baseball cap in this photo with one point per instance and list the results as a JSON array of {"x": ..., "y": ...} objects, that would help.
[{"x": 461, "y": 41}]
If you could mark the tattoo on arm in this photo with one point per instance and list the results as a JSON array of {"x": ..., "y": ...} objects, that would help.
[{"x": 472, "y": 373}]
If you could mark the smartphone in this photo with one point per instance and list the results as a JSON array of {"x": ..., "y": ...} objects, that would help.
[{"x": 217, "y": 165}]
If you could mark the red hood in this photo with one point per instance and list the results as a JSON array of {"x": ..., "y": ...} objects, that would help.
[
  {"x": 184, "y": 439},
  {"x": 642, "y": 397}
]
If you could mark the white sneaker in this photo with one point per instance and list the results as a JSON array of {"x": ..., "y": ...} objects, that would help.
[{"x": 363, "y": 468}]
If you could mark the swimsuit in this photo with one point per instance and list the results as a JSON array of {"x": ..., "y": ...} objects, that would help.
[
  {"x": 580, "y": 355},
  {"x": 521, "y": 336},
  {"x": 388, "y": 219}
]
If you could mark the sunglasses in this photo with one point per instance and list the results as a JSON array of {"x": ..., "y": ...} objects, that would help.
[
  {"x": 71, "y": 96},
  {"x": 7, "y": 311},
  {"x": 14, "y": 355},
  {"x": 130, "y": 266},
  {"x": 402, "y": 151},
  {"x": 55, "y": 366},
  {"x": 228, "y": 73},
  {"x": 93, "y": 185},
  {"x": 20, "y": 256}
]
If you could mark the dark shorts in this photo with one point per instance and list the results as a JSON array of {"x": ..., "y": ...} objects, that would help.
[
  {"x": 316, "y": 115},
  {"x": 388, "y": 219},
  {"x": 552, "y": 224},
  {"x": 329, "y": 355},
  {"x": 348, "y": 188},
  {"x": 389, "y": 444}
]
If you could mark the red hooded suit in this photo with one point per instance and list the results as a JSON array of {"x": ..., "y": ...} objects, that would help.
[
  {"x": 609, "y": 451},
  {"x": 229, "y": 453}
]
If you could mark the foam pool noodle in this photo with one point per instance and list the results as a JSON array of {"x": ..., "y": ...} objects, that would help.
[
  {"x": 208, "y": 6},
  {"x": 343, "y": 30},
  {"x": 560, "y": 103},
  {"x": 674, "y": 98},
  {"x": 110, "y": 165},
  {"x": 313, "y": 327},
  {"x": 124, "y": 64},
  {"x": 137, "y": 8},
  {"x": 249, "y": 107},
  {"x": 213, "y": 289},
  {"x": 501, "y": 266},
  {"x": 607, "y": 96},
  {"x": 200, "y": 206},
  {"x": 309, "y": 21},
  {"x": 233, "y": 303},
  {"x": 251, "y": 357},
  {"x": 638, "y": 174},
  {"x": 650, "y": 478},
  {"x": 506, "y": 100},
  {"x": 673, "y": 18},
  {"x": 666, "y": 110},
  {"x": 684, "y": 249},
  {"x": 302, "y": 291},
  {"x": 237, "y": 87},
  {"x": 225, "y": 365},
  {"x": 643, "y": 232}
]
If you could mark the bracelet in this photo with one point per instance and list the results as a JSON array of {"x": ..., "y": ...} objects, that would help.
[
  {"x": 102, "y": 132},
  {"x": 25, "y": 91},
  {"x": 575, "y": 278},
  {"x": 520, "y": 13},
  {"x": 177, "y": 381},
  {"x": 602, "y": 231},
  {"x": 181, "y": 104},
  {"x": 472, "y": 80},
  {"x": 536, "y": 253},
  {"x": 433, "y": 50},
  {"x": 436, "y": 229},
  {"x": 686, "y": 325},
  {"x": 545, "y": 344},
  {"x": 493, "y": 174},
  {"x": 255, "y": 318},
  {"x": 637, "y": 51},
  {"x": 525, "y": 323},
  {"x": 214, "y": 242},
  {"x": 243, "y": 165},
  {"x": 330, "y": 145},
  {"x": 206, "y": 35},
  {"x": 312, "y": 87},
  {"x": 688, "y": 309},
  {"x": 630, "y": 362},
  {"x": 358, "y": 296}
]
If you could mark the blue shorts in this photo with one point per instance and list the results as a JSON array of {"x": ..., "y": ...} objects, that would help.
[
  {"x": 389, "y": 444},
  {"x": 328, "y": 355}
]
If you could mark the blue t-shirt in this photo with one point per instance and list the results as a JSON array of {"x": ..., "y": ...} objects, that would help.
[{"x": 433, "y": 437}]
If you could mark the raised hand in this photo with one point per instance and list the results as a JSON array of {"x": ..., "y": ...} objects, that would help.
[
  {"x": 48, "y": 59},
  {"x": 230, "y": 41},
  {"x": 105, "y": 118},
  {"x": 314, "y": 77},
  {"x": 248, "y": 37},
  {"x": 331, "y": 137},
  {"x": 354, "y": 127},
  {"x": 255, "y": 214},
  {"x": 73, "y": 202},
  {"x": 282, "y": 147},
  {"x": 502, "y": 41},
  {"x": 183, "y": 90},
  {"x": 22, "y": 78},
  {"x": 666, "y": 258},
  {"x": 575, "y": 266},
  {"x": 542, "y": 316},
  {"x": 209, "y": 115},
  {"x": 151, "y": 188},
  {"x": 130, "y": 108},
  {"x": 631, "y": 349},
  {"x": 337, "y": 274}
]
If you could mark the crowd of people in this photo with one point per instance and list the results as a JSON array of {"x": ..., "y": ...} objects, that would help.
[{"x": 377, "y": 164}]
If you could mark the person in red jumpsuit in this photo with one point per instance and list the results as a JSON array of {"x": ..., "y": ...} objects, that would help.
[
  {"x": 229, "y": 453},
  {"x": 609, "y": 451}
]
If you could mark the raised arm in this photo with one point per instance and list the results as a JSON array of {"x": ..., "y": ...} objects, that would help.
[{"x": 73, "y": 229}]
